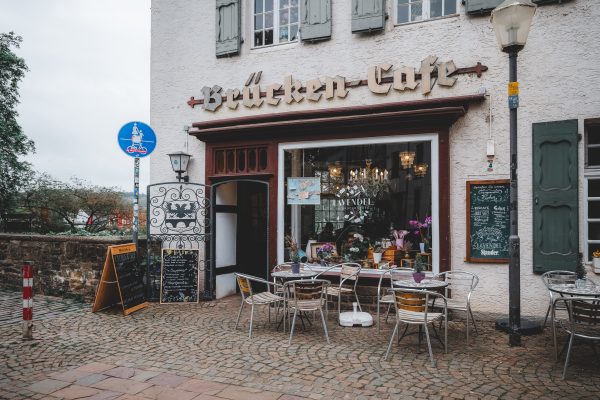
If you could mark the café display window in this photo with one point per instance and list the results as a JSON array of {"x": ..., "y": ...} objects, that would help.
[{"x": 375, "y": 195}]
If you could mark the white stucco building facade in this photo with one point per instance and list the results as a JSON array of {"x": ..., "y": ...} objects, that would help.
[{"x": 559, "y": 76}]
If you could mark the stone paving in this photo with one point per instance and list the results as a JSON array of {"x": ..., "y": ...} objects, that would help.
[{"x": 193, "y": 352}]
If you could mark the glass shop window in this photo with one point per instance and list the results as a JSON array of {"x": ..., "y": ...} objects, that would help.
[{"x": 378, "y": 193}]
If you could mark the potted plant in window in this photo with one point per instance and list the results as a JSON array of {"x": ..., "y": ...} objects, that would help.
[
  {"x": 423, "y": 230},
  {"x": 293, "y": 250},
  {"x": 377, "y": 252},
  {"x": 596, "y": 261},
  {"x": 356, "y": 248},
  {"x": 419, "y": 267}
]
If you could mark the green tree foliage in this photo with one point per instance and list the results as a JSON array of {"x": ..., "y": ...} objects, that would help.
[
  {"x": 57, "y": 202},
  {"x": 13, "y": 142}
]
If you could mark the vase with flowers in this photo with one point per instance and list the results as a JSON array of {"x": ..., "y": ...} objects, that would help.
[
  {"x": 292, "y": 246},
  {"x": 423, "y": 231},
  {"x": 356, "y": 248},
  {"x": 325, "y": 252}
]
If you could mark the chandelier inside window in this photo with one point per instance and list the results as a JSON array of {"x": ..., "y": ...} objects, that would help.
[
  {"x": 371, "y": 181},
  {"x": 421, "y": 170},
  {"x": 335, "y": 170},
  {"x": 407, "y": 158}
]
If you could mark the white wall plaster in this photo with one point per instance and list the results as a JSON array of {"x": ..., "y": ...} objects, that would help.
[{"x": 559, "y": 77}]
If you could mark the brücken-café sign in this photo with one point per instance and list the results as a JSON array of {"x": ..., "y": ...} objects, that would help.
[{"x": 380, "y": 80}]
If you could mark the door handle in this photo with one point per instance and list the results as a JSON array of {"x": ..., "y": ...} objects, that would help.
[{"x": 537, "y": 200}]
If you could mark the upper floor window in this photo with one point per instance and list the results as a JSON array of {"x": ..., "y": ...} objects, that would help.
[
  {"x": 275, "y": 21},
  {"x": 592, "y": 143},
  {"x": 419, "y": 10}
]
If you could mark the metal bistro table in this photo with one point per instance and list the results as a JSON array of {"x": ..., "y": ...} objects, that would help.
[
  {"x": 570, "y": 289},
  {"x": 287, "y": 275},
  {"x": 425, "y": 284}
]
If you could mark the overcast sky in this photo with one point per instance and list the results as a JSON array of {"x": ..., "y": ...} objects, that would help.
[{"x": 89, "y": 74}]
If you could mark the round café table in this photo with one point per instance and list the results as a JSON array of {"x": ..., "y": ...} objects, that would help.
[
  {"x": 289, "y": 275},
  {"x": 425, "y": 284},
  {"x": 570, "y": 289}
]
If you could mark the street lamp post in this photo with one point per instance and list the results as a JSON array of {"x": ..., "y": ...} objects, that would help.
[{"x": 511, "y": 21}]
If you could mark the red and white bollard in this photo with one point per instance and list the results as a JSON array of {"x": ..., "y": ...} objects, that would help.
[{"x": 27, "y": 300}]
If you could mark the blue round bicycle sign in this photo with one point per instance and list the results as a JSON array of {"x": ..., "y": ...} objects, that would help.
[{"x": 137, "y": 139}]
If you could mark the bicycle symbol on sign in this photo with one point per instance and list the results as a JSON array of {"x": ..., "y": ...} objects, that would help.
[{"x": 136, "y": 141}]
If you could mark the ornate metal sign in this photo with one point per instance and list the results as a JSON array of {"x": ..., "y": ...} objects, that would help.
[{"x": 179, "y": 214}]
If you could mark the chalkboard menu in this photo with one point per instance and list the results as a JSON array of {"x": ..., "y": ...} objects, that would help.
[
  {"x": 121, "y": 281},
  {"x": 130, "y": 279},
  {"x": 488, "y": 217},
  {"x": 179, "y": 276}
]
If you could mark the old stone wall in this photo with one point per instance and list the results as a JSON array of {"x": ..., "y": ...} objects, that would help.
[{"x": 62, "y": 265}]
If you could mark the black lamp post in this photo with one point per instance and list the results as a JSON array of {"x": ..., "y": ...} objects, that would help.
[
  {"x": 179, "y": 163},
  {"x": 511, "y": 21}
]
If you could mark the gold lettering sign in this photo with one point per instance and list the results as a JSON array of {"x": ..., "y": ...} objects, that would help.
[{"x": 380, "y": 79}]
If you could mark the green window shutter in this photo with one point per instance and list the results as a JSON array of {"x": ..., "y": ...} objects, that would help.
[
  {"x": 368, "y": 15},
  {"x": 555, "y": 196},
  {"x": 316, "y": 20},
  {"x": 228, "y": 27},
  {"x": 481, "y": 6}
]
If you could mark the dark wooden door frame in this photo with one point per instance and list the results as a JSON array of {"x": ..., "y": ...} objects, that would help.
[{"x": 211, "y": 276}]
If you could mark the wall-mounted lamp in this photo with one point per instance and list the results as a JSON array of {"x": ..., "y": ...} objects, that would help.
[{"x": 179, "y": 163}]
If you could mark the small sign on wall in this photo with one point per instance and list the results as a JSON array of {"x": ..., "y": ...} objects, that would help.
[{"x": 304, "y": 191}]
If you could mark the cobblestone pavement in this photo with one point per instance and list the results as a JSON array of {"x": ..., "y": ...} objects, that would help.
[{"x": 192, "y": 351}]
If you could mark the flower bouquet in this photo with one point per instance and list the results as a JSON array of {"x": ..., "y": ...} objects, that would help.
[
  {"x": 356, "y": 248},
  {"x": 423, "y": 230},
  {"x": 325, "y": 252}
]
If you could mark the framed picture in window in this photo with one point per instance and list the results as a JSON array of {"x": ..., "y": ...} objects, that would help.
[{"x": 314, "y": 247}]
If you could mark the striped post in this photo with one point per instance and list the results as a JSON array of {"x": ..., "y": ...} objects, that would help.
[{"x": 27, "y": 300}]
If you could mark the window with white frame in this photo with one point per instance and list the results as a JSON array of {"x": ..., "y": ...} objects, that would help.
[
  {"x": 275, "y": 21},
  {"x": 419, "y": 10},
  {"x": 592, "y": 186}
]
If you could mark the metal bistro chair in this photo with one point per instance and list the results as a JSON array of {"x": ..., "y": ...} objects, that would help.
[
  {"x": 583, "y": 323},
  {"x": 249, "y": 297},
  {"x": 304, "y": 296},
  {"x": 557, "y": 277},
  {"x": 385, "y": 295},
  {"x": 461, "y": 284},
  {"x": 348, "y": 280},
  {"x": 412, "y": 308}
]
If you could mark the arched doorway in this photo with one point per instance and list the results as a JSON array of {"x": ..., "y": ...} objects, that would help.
[{"x": 240, "y": 232}]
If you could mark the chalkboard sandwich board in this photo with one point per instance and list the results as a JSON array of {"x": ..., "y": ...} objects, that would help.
[
  {"x": 179, "y": 276},
  {"x": 488, "y": 217},
  {"x": 121, "y": 281}
]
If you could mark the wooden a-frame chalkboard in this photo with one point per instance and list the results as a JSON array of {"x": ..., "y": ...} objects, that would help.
[
  {"x": 488, "y": 217},
  {"x": 120, "y": 283}
]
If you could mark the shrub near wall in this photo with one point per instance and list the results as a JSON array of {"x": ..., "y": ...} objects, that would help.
[{"x": 63, "y": 266}]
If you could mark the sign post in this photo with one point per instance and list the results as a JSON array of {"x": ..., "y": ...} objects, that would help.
[{"x": 137, "y": 140}]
